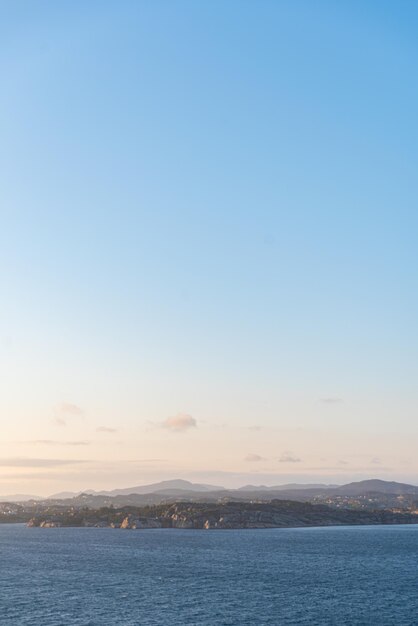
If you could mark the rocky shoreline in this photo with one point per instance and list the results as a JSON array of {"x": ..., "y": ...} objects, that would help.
[{"x": 229, "y": 515}]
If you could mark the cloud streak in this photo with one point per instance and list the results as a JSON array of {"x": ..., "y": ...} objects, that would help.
[
  {"x": 54, "y": 442},
  {"x": 30, "y": 462},
  {"x": 106, "y": 429}
]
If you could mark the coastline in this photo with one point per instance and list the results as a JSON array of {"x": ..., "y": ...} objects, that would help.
[{"x": 224, "y": 516}]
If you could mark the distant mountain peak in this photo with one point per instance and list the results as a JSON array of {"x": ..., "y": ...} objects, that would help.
[
  {"x": 376, "y": 485},
  {"x": 160, "y": 487}
]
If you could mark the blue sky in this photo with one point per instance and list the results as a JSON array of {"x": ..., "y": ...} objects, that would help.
[{"x": 208, "y": 210}]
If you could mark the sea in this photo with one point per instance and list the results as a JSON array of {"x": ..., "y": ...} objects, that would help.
[{"x": 99, "y": 577}]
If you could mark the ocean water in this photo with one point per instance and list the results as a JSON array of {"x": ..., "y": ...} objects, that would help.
[{"x": 99, "y": 577}]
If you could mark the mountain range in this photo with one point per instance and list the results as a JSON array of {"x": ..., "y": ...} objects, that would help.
[{"x": 177, "y": 489}]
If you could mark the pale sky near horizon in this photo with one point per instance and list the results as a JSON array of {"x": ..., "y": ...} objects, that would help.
[{"x": 208, "y": 242}]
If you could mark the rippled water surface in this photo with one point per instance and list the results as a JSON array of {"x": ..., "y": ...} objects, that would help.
[{"x": 61, "y": 577}]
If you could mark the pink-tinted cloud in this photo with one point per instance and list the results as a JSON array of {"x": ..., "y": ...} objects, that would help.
[{"x": 179, "y": 423}]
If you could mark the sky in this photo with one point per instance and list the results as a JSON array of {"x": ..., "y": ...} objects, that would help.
[{"x": 208, "y": 242}]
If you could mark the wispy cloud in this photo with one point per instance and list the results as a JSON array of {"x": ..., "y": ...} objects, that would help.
[
  {"x": 106, "y": 429},
  {"x": 255, "y": 428},
  {"x": 353, "y": 469},
  {"x": 254, "y": 458},
  {"x": 148, "y": 461},
  {"x": 331, "y": 400},
  {"x": 28, "y": 462},
  {"x": 288, "y": 457},
  {"x": 179, "y": 423},
  {"x": 54, "y": 442}
]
